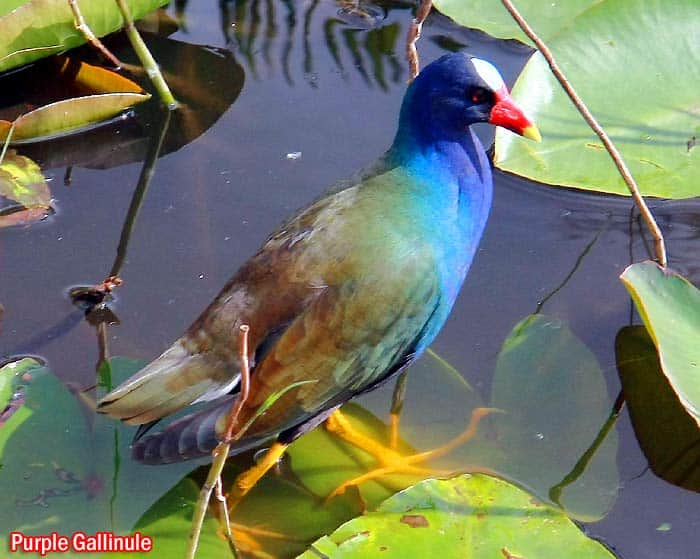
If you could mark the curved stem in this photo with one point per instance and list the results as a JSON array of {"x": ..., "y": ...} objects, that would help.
[{"x": 414, "y": 34}]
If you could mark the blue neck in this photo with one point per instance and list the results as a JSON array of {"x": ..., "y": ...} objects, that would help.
[{"x": 451, "y": 188}]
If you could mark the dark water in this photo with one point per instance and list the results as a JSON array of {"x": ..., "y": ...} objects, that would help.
[{"x": 313, "y": 79}]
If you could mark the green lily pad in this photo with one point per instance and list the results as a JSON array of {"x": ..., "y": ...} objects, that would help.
[
  {"x": 13, "y": 379},
  {"x": 475, "y": 516},
  {"x": 668, "y": 436},
  {"x": 84, "y": 479},
  {"x": 670, "y": 308},
  {"x": 549, "y": 17},
  {"x": 554, "y": 400},
  {"x": 647, "y": 104},
  {"x": 34, "y": 29},
  {"x": 172, "y": 514}
]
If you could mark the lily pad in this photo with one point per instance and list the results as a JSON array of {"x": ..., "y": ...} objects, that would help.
[
  {"x": 647, "y": 104},
  {"x": 37, "y": 28},
  {"x": 670, "y": 308},
  {"x": 668, "y": 436},
  {"x": 554, "y": 400},
  {"x": 172, "y": 514},
  {"x": 13, "y": 379},
  {"x": 48, "y": 487},
  {"x": 549, "y": 17},
  {"x": 475, "y": 516}
]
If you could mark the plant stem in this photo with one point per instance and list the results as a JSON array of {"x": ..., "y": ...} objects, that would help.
[
  {"x": 659, "y": 246},
  {"x": 146, "y": 58},
  {"x": 221, "y": 452},
  {"x": 82, "y": 26},
  {"x": 6, "y": 143},
  {"x": 414, "y": 34},
  {"x": 147, "y": 172},
  {"x": 579, "y": 468}
]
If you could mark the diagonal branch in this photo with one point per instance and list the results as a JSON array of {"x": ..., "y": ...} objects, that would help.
[
  {"x": 82, "y": 26},
  {"x": 220, "y": 454},
  {"x": 659, "y": 246}
]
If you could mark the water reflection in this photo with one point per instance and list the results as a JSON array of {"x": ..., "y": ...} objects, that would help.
[{"x": 270, "y": 36}]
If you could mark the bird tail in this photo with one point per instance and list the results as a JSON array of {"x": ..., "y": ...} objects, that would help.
[
  {"x": 169, "y": 383},
  {"x": 192, "y": 436}
]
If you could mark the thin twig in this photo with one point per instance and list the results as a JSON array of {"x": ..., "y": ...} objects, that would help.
[
  {"x": 414, "y": 34},
  {"x": 659, "y": 246},
  {"x": 82, "y": 26},
  {"x": 146, "y": 57},
  {"x": 221, "y": 451},
  {"x": 229, "y": 435},
  {"x": 223, "y": 511},
  {"x": 6, "y": 143}
]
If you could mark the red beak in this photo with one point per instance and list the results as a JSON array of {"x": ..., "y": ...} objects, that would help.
[{"x": 506, "y": 113}]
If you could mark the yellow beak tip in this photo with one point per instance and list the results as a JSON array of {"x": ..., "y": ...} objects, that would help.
[{"x": 532, "y": 133}]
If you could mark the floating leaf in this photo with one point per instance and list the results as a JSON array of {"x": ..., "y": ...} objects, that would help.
[
  {"x": 94, "y": 79},
  {"x": 172, "y": 515},
  {"x": 473, "y": 516},
  {"x": 21, "y": 180},
  {"x": 648, "y": 104},
  {"x": 85, "y": 466},
  {"x": 14, "y": 377},
  {"x": 669, "y": 437},
  {"x": 555, "y": 400},
  {"x": 670, "y": 308},
  {"x": 24, "y": 188},
  {"x": 36, "y": 28},
  {"x": 68, "y": 115},
  {"x": 549, "y": 17},
  {"x": 97, "y": 94}
]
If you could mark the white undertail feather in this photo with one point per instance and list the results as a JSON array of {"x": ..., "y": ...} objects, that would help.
[{"x": 172, "y": 381}]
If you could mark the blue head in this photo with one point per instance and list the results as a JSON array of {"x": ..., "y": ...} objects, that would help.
[{"x": 454, "y": 92}]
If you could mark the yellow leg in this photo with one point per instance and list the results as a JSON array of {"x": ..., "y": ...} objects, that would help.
[
  {"x": 390, "y": 461},
  {"x": 394, "y": 430},
  {"x": 247, "y": 480}
]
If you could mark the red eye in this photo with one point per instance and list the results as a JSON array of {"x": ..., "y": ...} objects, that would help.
[{"x": 479, "y": 95}]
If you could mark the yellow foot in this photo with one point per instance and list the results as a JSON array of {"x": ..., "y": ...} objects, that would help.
[
  {"x": 390, "y": 461},
  {"x": 247, "y": 480},
  {"x": 249, "y": 539}
]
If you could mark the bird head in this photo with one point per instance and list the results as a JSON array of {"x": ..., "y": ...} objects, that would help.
[{"x": 456, "y": 91}]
